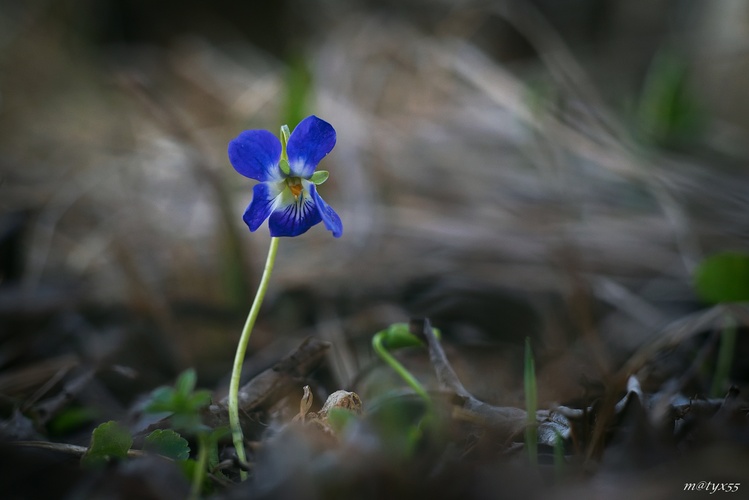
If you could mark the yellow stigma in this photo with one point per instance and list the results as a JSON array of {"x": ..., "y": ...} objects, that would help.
[{"x": 295, "y": 184}]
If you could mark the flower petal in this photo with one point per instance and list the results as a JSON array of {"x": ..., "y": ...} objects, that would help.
[
  {"x": 309, "y": 143},
  {"x": 264, "y": 199},
  {"x": 293, "y": 216},
  {"x": 255, "y": 154},
  {"x": 329, "y": 217}
]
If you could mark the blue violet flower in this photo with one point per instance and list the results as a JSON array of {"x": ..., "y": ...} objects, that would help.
[{"x": 287, "y": 193}]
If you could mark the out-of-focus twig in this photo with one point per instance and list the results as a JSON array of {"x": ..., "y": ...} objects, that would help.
[
  {"x": 48, "y": 409},
  {"x": 507, "y": 422},
  {"x": 14, "y": 382},
  {"x": 72, "y": 449}
]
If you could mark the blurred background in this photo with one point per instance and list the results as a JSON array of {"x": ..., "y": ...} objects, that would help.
[{"x": 546, "y": 168}]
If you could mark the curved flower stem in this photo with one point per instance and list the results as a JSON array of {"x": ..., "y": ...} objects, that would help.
[{"x": 236, "y": 428}]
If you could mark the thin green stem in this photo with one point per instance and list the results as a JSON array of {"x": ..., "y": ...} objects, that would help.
[
  {"x": 200, "y": 467},
  {"x": 379, "y": 347},
  {"x": 236, "y": 428},
  {"x": 531, "y": 404}
]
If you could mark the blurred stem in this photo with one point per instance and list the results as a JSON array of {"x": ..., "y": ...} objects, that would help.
[
  {"x": 200, "y": 468},
  {"x": 531, "y": 403},
  {"x": 172, "y": 122},
  {"x": 558, "y": 456},
  {"x": 725, "y": 357},
  {"x": 236, "y": 428},
  {"x": 379, "y": 347}
]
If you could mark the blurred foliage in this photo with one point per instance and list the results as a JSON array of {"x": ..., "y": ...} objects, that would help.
[
  {"x": 668, "y": 112},
  {"x": 723, "y": 277},
  {"x": 70, "y": 419},
  {"x": 182, "y": 401},
  {"x": 167, "y": 443},
  {"x": 233, "y": 278},
  {"x": 397, "y": 424},
  {"x": 340, "y": 418},
  {"x": 298, "y": 82}
]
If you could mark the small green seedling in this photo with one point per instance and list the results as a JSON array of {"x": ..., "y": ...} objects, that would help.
[
  {"x": 185, "y": 405},
  {"x": 182, "y": 401},
  {"x": 396, "y": 336},
  {"x": 402, "y": 436}
]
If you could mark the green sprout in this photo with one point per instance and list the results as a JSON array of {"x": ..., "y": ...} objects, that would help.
[
  {"x": 396, "y": 336},
  {"x": 182, "y": 401},
  {"x": 391, "y": 415},
  {"x": 531, "y": 404}
]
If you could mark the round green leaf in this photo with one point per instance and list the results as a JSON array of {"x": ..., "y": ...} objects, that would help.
[{"x": 109, "y": 440}]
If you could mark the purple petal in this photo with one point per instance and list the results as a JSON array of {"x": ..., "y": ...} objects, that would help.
[
  {"x": 329, "y": 217},
  {"x": 255, "y": 154},
  {"x": 264, "y": 196},
  {"x": 310, "y": 141},
  {"x": 294, "y": 218}
]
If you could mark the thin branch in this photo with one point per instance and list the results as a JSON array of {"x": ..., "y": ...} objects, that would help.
[{"x": 507, "y": 422}]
